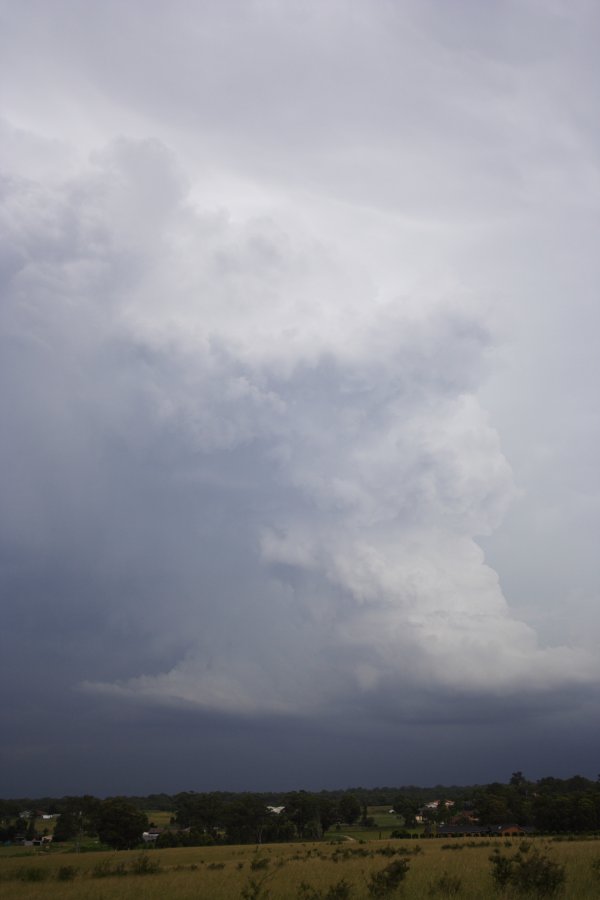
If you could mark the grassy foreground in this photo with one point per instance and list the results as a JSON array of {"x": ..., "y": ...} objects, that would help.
[{"x": 279, "y": 871}]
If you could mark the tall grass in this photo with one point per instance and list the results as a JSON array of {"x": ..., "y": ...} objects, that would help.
[{"x": 286, "y": 872}]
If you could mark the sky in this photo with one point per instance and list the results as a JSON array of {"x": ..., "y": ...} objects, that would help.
[{"x": 299, "y": 393}]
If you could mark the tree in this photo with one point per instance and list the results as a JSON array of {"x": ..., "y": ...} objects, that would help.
[
  {"x": 202, "y": 812},
  {"x": 246, "y": 818},
  {"x": 77, "y": 816},
  {"x": 120, "y": 824},
  {"x": 407, "y": 808},
  {"x": 329, "y": 813},
  {"x": 67, "y": 827},
  {"x": 349, "y": 809},
  {"x": 303, "y": 810}
]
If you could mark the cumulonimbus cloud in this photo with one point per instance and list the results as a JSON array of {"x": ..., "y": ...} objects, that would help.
[{"x": 327, "y": 434}]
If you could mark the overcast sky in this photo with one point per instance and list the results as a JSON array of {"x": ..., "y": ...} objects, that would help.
[{"x": 299, "y": 393}]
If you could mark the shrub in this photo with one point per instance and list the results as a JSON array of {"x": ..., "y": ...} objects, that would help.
[
  {"x": 530, "y": 873},
  {"x": 446, "y": 885},
  {"x": 144, "y": 865},
  {"x": 388, "y": 880},
  {"x": 341, "y": 890},
  {"x": 308, "y": 892},
  {"x": 502, "y": 869},
  {"x": 66, "y": 873},
  {"x": 255, "y": 890},
  {"x": 31, "y": 873},
  {"x": 105, "y": 869}
]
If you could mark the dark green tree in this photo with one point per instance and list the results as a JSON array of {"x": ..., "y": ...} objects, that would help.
[
  {"x": 246, "y": 819},
  {"x": 407, "y": 807},
  {"x": 120, "y": 824},
  {"x": 84, "y": 809},
  {"x": 67, "y": 826},
  {"x": 329, "y": 813},
  {"x": 203, "y": 812},
  {"x": 349, "y": 808},
  {"x": 302, "y": 809}
]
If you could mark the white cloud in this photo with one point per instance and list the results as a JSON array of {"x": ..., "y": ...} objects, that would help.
[
  {"x": 364, "y": 455},
  {"x": 288, "y": 323}
]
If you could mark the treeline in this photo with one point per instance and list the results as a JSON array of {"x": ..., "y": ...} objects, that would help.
[
  {"x": 116, "y": 822},
  {"x": 377, "y": 796},
  {"x": 550, "y": 805}
]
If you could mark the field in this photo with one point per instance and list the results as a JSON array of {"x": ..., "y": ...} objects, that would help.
[{"x": 306, "y": 871}]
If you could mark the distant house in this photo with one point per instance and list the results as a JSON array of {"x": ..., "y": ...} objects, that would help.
[
  {"x": 462, "y": 830},
  {"x": 152, "y": 835},
  {"x": 423, "y": 813},
  {"x": 508, "y": 830},
  {"x": 464, "y": 818},
  {"x": 478, "y": 830}
]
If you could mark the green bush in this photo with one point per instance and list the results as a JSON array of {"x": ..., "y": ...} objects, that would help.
[
  {"x": 446, "y": 886},
  {"x": 502, "y": 869},
  {"x": 385, "y": 882},
  {"x": 106, "y": 869},
  {"x": 529, "y": 872},
  {"x": 255, "y": 889},
  {"x": 31, "y": 873},
  {"x": 145, "y": 865},
  {"x": 341, "y": 890},
  {"x": 66, "y": 873}
]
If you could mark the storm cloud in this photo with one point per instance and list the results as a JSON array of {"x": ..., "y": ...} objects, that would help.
[{"x": 298, "y": 387}]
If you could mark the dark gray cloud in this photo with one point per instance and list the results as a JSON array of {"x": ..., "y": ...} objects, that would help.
[{"x": 285, "y": 295}]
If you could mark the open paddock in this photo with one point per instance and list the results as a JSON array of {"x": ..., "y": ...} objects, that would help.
[{"x": 278, "y": 871}]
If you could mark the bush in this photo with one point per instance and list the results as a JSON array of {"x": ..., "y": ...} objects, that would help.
[
  {"x": 66, "y": 873},
  {"x": 388, "y": 880},
  {"x": 446, "y": 886},
  {"x": 502, "y": 869},
  {"x": 341, "y": 890},
  {"x": 308, "y": 892},
  {"x": 31, "y": 873},
  {"x": 105, "y": 869},
  {"x": 255, "y": 889},
  {"x": 529, "y": 872},
  {"x": 144, "y": 865}
]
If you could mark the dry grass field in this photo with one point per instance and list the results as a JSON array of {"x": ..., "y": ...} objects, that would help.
[{"x": 279, "y": 871}]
